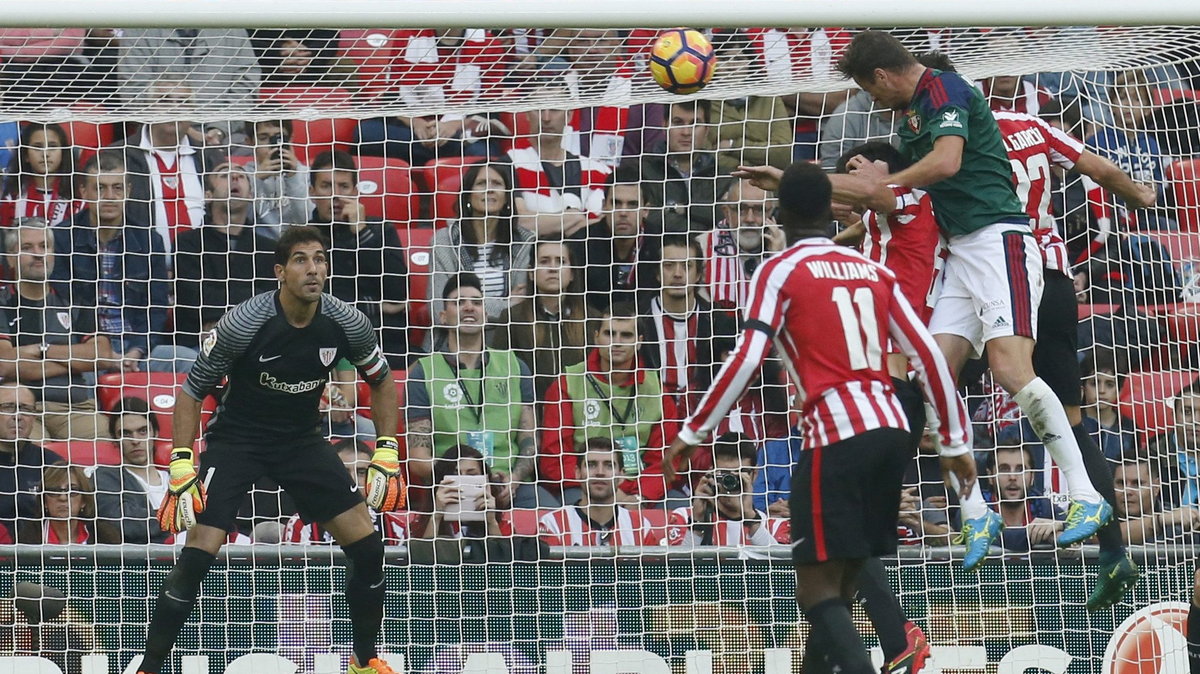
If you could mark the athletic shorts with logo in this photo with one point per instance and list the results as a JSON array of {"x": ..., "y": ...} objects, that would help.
[
  {"x": 991, "y": 287},
  {"x": 845, "y": 498},
  {"x": 309, "y": 470}
]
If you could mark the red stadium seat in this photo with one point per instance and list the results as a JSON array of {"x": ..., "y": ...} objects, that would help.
[
  {"x": 429, "y": 176},
  {"x": 373, "y": 50},
  {"x": 314, "y": 136},
  {"x": 1145, "y": 398},
  {"x": 418, "y": 251},
  {"x": 158, "y": 389},
  {"x": 1181, "y": 246},
  {"x": 525, "y": 521},
  {"x": 1184, "y": 177},
  {"x": 385, "y": 189}
]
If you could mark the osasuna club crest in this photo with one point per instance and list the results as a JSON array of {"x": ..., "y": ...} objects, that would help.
[
  {"x": 914, "y": 122},
  {"x": 327, "y": 355},
  {"x": 64, "y": 319}
]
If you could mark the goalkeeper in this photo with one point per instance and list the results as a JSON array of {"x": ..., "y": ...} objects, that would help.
[{"x": 277, "y": 349}]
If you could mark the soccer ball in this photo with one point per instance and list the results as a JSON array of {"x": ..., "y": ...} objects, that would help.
[{"x": 682, "y": 61}]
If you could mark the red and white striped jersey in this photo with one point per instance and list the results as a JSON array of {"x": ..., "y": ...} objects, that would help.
[
  {"x": 35, "y": 203},
  {"x": 830, "y": 312},
  {"x": 726, "y": 283},
  {"x": 540, "y": 196},
  {"x": 1033, "y": 146},
  {"x": 727, "y": 532},
  {"x": 793, "y": 53},
  {"x": 570, "y": 525},
  {"x": 438, "y": 73},
  {"x": 908, "y": 242},
  {"x": 395, "y": 528}
]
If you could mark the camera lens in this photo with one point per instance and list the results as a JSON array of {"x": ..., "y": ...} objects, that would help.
[{"x": 728, "y": 483}]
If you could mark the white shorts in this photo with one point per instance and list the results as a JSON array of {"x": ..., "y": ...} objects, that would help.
[{"x": 991, "y": 286}]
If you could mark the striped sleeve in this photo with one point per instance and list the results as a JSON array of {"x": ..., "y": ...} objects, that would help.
[
  {"x": 224, "y": 344},
  {"x": 365, "y": 353},
  {"x": 1065, "y": 149},
  {"x": 933, "y": 373},
  {"x": 764, "y": 313}
]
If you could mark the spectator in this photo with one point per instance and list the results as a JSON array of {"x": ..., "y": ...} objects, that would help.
[
  {"x": 853, "y": 123},
  {"x": 596, "y": 517},
  {"x": 280, "y": 180},
  {"x": 164, "y": 162},
  {"x": 924, "y": 500},
  {"x": 418, "y": 140},
  {"x": 1179, "y": 450},
  {"x": 302, "y": 58},
  {"x": 1029, "y": 518},
  {"x": 219, "y": 64},
  {"x": 752, "y": 130},
  {"x": 1140, "y": 507},
  {"x": 742, "y": 240},
  {"x": 222, "y": 263},
  {"x": 39, "y": 67},
  {"x": 1128, "y": 145},
  {"x": 680, "y": 174},
  {"x": 117, "y": 268},
  {"x": 128, "y": 495},
  {"x": 1115, "y": 433},
  {"x": 620, "y": 253},
  {"x": 393, "y": 527},
  {"x": 41, "y": 177},
  {"x": 722, "y": 510},
  {"x": 367, "y": 267},
  {"x": 611, "y": 395},
  {"x": 773, "y": 475},
  {"x": 563, "y": 191},
  {"x": 493, "y": 502},
  {"x": 678, "y": 328},
  {"x": 67, "y": 512},
  {"x": 51, "y": 343},
  {"x": 486, "y": 240},
  {"x": 21, "y": 461},
  {"x": 1013, "y": 93},
  {"x": 474, "y": 395},
  {"x": 549, "y": 332}
]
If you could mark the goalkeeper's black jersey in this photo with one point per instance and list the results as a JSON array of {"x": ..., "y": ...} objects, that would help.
[{"x": 277, "y": 372}]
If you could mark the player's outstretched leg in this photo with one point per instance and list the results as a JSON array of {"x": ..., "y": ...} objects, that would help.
[
  {"x": 174, "y": 605},
  {"x": 1193, "y": 627},
  {"x": 902, "y": 641},
  {"x": 366, "y": 588},
  {"x": 833, "y": 636},
  {"x": 1118, "y": 572}
]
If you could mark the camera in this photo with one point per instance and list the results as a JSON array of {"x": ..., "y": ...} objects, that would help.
[
  {"x": 276, "y": 141},
  {"x": 727, "y": 481}
]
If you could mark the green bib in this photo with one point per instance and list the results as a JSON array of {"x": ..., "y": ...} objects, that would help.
[
  {"x": 605, "y": 411},
  {"x": 486, "y": 415}
]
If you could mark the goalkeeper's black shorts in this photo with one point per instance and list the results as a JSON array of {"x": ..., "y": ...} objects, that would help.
[
  {"x": 1056, "y": 354},
  {"x": 309, "y": 470}
]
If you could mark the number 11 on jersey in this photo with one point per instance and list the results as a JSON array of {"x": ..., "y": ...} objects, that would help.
[{"x": 859, "y": 327}]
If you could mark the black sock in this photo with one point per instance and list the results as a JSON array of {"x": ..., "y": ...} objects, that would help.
[
  {"x": 883, "y": 608},
  {"x": 365, "y": 590},
  {"x": 834, "y": 629},
  {"x": 174, "y": 605},
  {"x": 816, "y": 660},
  {"x": 1111, "y": 545},
  {"x": 1193, "y": 638}
]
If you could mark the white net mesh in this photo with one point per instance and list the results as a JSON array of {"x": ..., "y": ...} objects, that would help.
[{"x": 422, "y": 154}]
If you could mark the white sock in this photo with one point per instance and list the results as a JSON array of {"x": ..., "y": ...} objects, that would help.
[
  {"x": 973, "y": 507},
  {"x": 1049, "y": 421}
]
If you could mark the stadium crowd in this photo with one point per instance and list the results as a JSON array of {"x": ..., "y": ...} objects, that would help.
[{"x": 554, "y": 289}]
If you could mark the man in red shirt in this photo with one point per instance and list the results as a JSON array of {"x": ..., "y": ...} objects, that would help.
[
  {"x": 596, "y": 518},
  {"x": 614, "y": 396},
  {"x": 854, "y": 430}
]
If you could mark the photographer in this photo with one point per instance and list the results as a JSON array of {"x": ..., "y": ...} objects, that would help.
[{"x": 722, "y": 510}]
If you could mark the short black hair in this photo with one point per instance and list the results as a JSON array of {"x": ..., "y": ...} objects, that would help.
[
  {"x": 105, "y": 161},
  {"x": 621, "y": 310},
  {"x": 351, "y": 445},
  {"x": 130, "y": 405},
  {"x": 335, "y": 160},
  {"x": 937, "y": 60},
  {"x": 698, "y": 106},
  {"x": 1106, "y": 360},
  {"x": 695, "y": 251},
  {"x": 1068, "y": 113},
  {"x": 251, "y": 127},
  {"x": 464, "y": 279},
  {"x": 873, "y": 49},
  {"x": 734, "y": 446},
  {"x": 805, "y": 201},
  {"x": 293, "y": 236},
  {"x": 876, "y": 150}
]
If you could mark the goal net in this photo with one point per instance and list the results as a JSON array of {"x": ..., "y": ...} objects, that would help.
[{"x": 149, "y": 174}]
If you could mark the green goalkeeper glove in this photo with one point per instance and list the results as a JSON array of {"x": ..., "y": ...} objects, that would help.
[
  {"x": 185, "y": 494},
  {"x": 386, "y": 489}
]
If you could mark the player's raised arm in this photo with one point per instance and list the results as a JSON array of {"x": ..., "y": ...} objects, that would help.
[{"x": 1109, "y": 176}]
